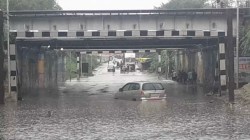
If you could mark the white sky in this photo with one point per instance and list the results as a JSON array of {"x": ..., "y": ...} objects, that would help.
[{"x": 109, "y": 4}]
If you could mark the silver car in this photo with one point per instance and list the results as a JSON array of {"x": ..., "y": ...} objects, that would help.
[{"x": 141, "y": 91}]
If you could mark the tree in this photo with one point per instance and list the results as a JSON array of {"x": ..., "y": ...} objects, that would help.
[
  {"x": 30, "y": 5},
  {"x": 181, "y": 4},
  {"x": 245, "y": 40}
]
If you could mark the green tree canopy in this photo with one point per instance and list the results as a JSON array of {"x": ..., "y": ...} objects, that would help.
[
  {"x": 30, "y": 5},
  {"x": 181, "y": 4}
]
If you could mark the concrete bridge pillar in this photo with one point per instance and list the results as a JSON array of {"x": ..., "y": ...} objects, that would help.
[
  {"x": 159, "y": 61},
  {"x": 41, "y": 70},
  {"x": 222, "y": 65},
  {"x": 2, "y": 75},
  {"x": 200, "y": 68},
  {"x": 13, "y": 73},
  {"x": 177, "y": 60},
  {"x": 78, "y": 65}
]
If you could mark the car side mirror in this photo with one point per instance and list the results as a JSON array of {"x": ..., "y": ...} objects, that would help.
[{"x": 120, "y": 90}]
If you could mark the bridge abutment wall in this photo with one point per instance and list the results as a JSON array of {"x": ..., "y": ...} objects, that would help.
[
  {"x": 38, "y": 70},
  {"x": 202, "y": 61}
]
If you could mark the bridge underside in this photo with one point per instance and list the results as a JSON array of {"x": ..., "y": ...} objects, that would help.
[
  {"x": 118, "y": 43},
  {"x": 33, "y": 62}
]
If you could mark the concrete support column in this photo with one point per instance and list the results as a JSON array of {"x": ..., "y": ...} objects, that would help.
[
  {"x": 2, "y": 75},
  {"x": 91, "y": 64},
  {"x": 64, "y": 68},
  {"x": 81, "y": 64},
  {"x": 230, "y": 55},
  {"x": 177, "y": 60},
  {"x": 159, "y": 61},
  {"x": 41, "y": 71},
  {"x": 167, "y": 71},
  {"x": 70, "y": 59},
  {"x": 78, "y": 65},
  {"x": 222, "y": 65},
  {"x": 200, "y": 68},
  {"x": 186, "y": 61},
  {"x": 181, "y": 64},
  {"x": 13, "y": 73}
]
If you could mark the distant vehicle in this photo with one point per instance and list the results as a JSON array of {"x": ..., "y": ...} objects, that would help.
[
  {"x": 129, "y": 61},
  {"x": 118, "y": 63},
  {"x": 111, "y": 68},
  {"x": 139, "y": 91}
]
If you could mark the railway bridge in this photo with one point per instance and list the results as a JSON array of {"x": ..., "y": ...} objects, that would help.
[{"x": 98, "y": 31}]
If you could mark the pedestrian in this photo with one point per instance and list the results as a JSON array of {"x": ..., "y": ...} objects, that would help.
[
  {"x": 185, "y": 77},
  {"x": 190, "y": 77},
  {"x": 174, "y": 76}
]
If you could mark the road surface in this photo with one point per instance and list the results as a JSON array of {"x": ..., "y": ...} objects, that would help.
[{"x": 86, "y": 109}]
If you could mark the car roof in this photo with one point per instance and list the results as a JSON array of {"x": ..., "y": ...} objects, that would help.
[{"x": 143, "y": 82}]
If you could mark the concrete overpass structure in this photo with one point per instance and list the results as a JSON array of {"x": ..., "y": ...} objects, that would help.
[
  {"x": 122, "y": 29},
  {"x": 120, "y": 20}
]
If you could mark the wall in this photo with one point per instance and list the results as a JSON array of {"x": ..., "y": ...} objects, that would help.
[
  {"x": 203, "y": 61},
  {"x": 39, "y": 69}
]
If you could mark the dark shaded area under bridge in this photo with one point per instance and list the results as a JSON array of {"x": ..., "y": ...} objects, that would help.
[
  {"x": 30, "y": 55},
  {"x": 119, "y": 43}
]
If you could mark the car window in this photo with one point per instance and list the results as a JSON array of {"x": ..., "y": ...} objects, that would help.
[
  {"x": 126, "y": 87},
  {"x": 158, "y": 86},
  {"x": 134, "y": 86},
  {"x": 148, "y": 86}
]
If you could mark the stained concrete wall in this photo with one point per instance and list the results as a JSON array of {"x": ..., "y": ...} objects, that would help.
[
  {"x": 203, "y": 61},
  {"x": 39, "y": 69}
]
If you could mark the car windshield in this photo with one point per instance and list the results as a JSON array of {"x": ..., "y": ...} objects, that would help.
[{"x": 158, "y": 86}]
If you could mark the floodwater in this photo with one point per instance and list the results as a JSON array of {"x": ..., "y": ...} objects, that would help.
[{"x": 86, "y": 110}]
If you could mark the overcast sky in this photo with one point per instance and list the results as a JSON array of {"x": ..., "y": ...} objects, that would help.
[{"x": 109, "y": 4}]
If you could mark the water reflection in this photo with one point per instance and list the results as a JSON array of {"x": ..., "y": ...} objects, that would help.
[{"x": 149, "y": 108}]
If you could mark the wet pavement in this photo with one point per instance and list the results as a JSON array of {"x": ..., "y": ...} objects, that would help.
[{"x": 86, "y": 109}]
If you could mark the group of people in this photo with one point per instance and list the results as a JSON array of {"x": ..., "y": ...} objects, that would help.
[{"x": 185, "y": 77}]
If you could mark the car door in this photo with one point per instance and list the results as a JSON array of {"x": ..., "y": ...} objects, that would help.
[
  {"x": 124, "y": 92},
  {"x": 134, "y": 91}
]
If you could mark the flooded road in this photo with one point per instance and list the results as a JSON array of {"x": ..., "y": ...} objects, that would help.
[{"x": 86, "y": 109}]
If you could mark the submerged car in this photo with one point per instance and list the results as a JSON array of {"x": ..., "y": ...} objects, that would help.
[{"x": 138, "y": 91}]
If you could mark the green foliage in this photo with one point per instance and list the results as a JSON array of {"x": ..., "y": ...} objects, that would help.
[
  {"x": 71, "y": 65},
  {"x": 30, "y": 5},
  {"x": 95, "y": 62},
  {"x": 245, "y": 40},
  {"x": 181, "y": 4},
  {"x": 154, "y": 62},
  {"x": 166, "y": 61}
]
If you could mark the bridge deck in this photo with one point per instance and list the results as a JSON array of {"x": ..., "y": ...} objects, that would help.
[{"x": 119, "y": 43}]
